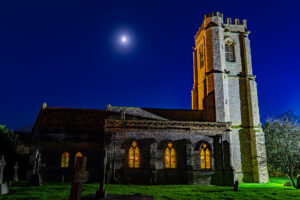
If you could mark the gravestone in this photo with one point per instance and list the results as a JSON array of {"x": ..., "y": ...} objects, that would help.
[
  {"x": 62, "y": 179},
  {"x": 298, "y": 182},
  {"x": 80, "y": 176},
  {"x": 101, "y": 193},
  {"x": 4, "y": 188},
  {"x": 236, "y": 186},
  {"x": 36, "y": 178},
  {"x": 16, "y": 178}
]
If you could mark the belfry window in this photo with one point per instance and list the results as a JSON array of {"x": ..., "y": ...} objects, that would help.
[
  {"x": 229, "y": 51},
  {"x": 64, "y": 160},
  {"x": 134, "y": 155},
  {"x": 205, "y": 156},
  {"x": 170, "y": 156},
  {"x": 78, "y": 154}
]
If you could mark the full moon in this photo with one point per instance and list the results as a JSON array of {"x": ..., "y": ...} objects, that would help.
[{"x": 124, "y": 39}]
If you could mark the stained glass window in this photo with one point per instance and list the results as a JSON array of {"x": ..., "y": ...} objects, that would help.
[
  {"x": 205, "y": 157},
  {"x": 134, "y": 155},
  {"x": 78, "y": 154},
  {"x": 170, "y": 156},
  {"x": 64, "y": 160},
  {"x": 229, "y": 51}
]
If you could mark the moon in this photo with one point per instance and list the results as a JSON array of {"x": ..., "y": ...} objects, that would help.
[{"x": 124, "y": 39}]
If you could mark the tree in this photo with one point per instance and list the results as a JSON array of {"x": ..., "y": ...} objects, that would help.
[
  {"x": 7, "y": 140},
  {"x": 7, "y": 148},
  {"x": 282, "y": 144}
]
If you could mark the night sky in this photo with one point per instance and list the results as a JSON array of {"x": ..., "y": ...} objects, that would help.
[{"x": 70, "y": 54}]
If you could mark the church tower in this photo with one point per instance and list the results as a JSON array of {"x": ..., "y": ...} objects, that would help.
[{"x": 225, "y": 89}]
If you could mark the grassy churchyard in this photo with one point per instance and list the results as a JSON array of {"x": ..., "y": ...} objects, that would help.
[{"x": 272, "y": 190}]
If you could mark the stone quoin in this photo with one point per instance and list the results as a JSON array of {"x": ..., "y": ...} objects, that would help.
[{"x": 218, "y": 142}]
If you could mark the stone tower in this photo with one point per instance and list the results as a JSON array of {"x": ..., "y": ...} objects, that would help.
[{"x": 225, "y": 89}]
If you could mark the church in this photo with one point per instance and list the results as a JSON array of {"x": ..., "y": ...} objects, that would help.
[{"x": 218, "y": 141}]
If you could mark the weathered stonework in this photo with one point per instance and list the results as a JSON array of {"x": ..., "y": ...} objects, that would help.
[
  {"x": 152, "y": 136},
  {"x": 230, "y": 93},
  {"x": 224, "y": 117}
]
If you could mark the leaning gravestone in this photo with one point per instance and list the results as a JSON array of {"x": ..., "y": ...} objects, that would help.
[
  {"x": 4, "y": 188},
  {"x": 80, "y": 176},
  {"x": 16, "y": 178},
  {"x": 36, "y": 178}
]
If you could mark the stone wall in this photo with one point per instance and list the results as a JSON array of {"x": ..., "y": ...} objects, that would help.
[
  {"x": 51, "y": 159},
  {"x": 233, "y": 93},
  {"x": 152, "y": 143}
]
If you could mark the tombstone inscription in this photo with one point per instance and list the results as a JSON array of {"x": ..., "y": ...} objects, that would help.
[{"x": 3, "y": 188}]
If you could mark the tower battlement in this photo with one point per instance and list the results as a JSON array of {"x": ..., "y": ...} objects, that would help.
[
  {"x": 233, "y": 21},
  {"x": 213, "y": 14},
  {"x": 225, "y": 90},
  {"x": 217, "y": 19}
]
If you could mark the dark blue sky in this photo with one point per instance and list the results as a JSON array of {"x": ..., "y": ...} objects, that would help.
[{"x": 65, "y": 53}]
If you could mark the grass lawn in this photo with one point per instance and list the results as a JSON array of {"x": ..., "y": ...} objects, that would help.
[{"x": 272, "y": 190}]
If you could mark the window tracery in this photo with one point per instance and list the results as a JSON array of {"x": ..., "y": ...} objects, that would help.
[
  {"x": 170, "y": 156},
  {"x": 134, "y": 155},
  {"x": 205, "y": 156},
  {"x": 229, "y": 51},
  {"x": 64, "y": 160}
]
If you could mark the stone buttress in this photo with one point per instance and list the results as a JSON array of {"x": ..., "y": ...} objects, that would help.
[{"x": 225, "y": 89}]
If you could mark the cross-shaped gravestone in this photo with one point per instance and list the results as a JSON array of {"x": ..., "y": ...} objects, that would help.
[
  {"x": 3, "y": 186},
  {"x": 16, "y": 178},
  {"x": 80, "y": 176}
]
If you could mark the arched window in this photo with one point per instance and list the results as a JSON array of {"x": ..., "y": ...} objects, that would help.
[
  {"x": 205, "y": 156},
  {"x": 78, "y": 154},
  {"x": 170, "y": 156},
  {"x": 64, "y": 160},
  {"x": 134, "y": 155},
  {"x": 229, "y": 51}
]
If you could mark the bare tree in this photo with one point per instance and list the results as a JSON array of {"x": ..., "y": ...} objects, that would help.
[{"x": 282, "y": 143}]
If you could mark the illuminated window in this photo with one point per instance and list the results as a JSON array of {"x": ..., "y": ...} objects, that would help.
[
  {"x": 64, "y": 160},
  {"x": 170, "y": 156},
  {"x": 134, "y": 155},
  {"x": 229, "y": 51},
  {"x": 205, "y": 156},
  {"x": 78, "y": 154}
]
